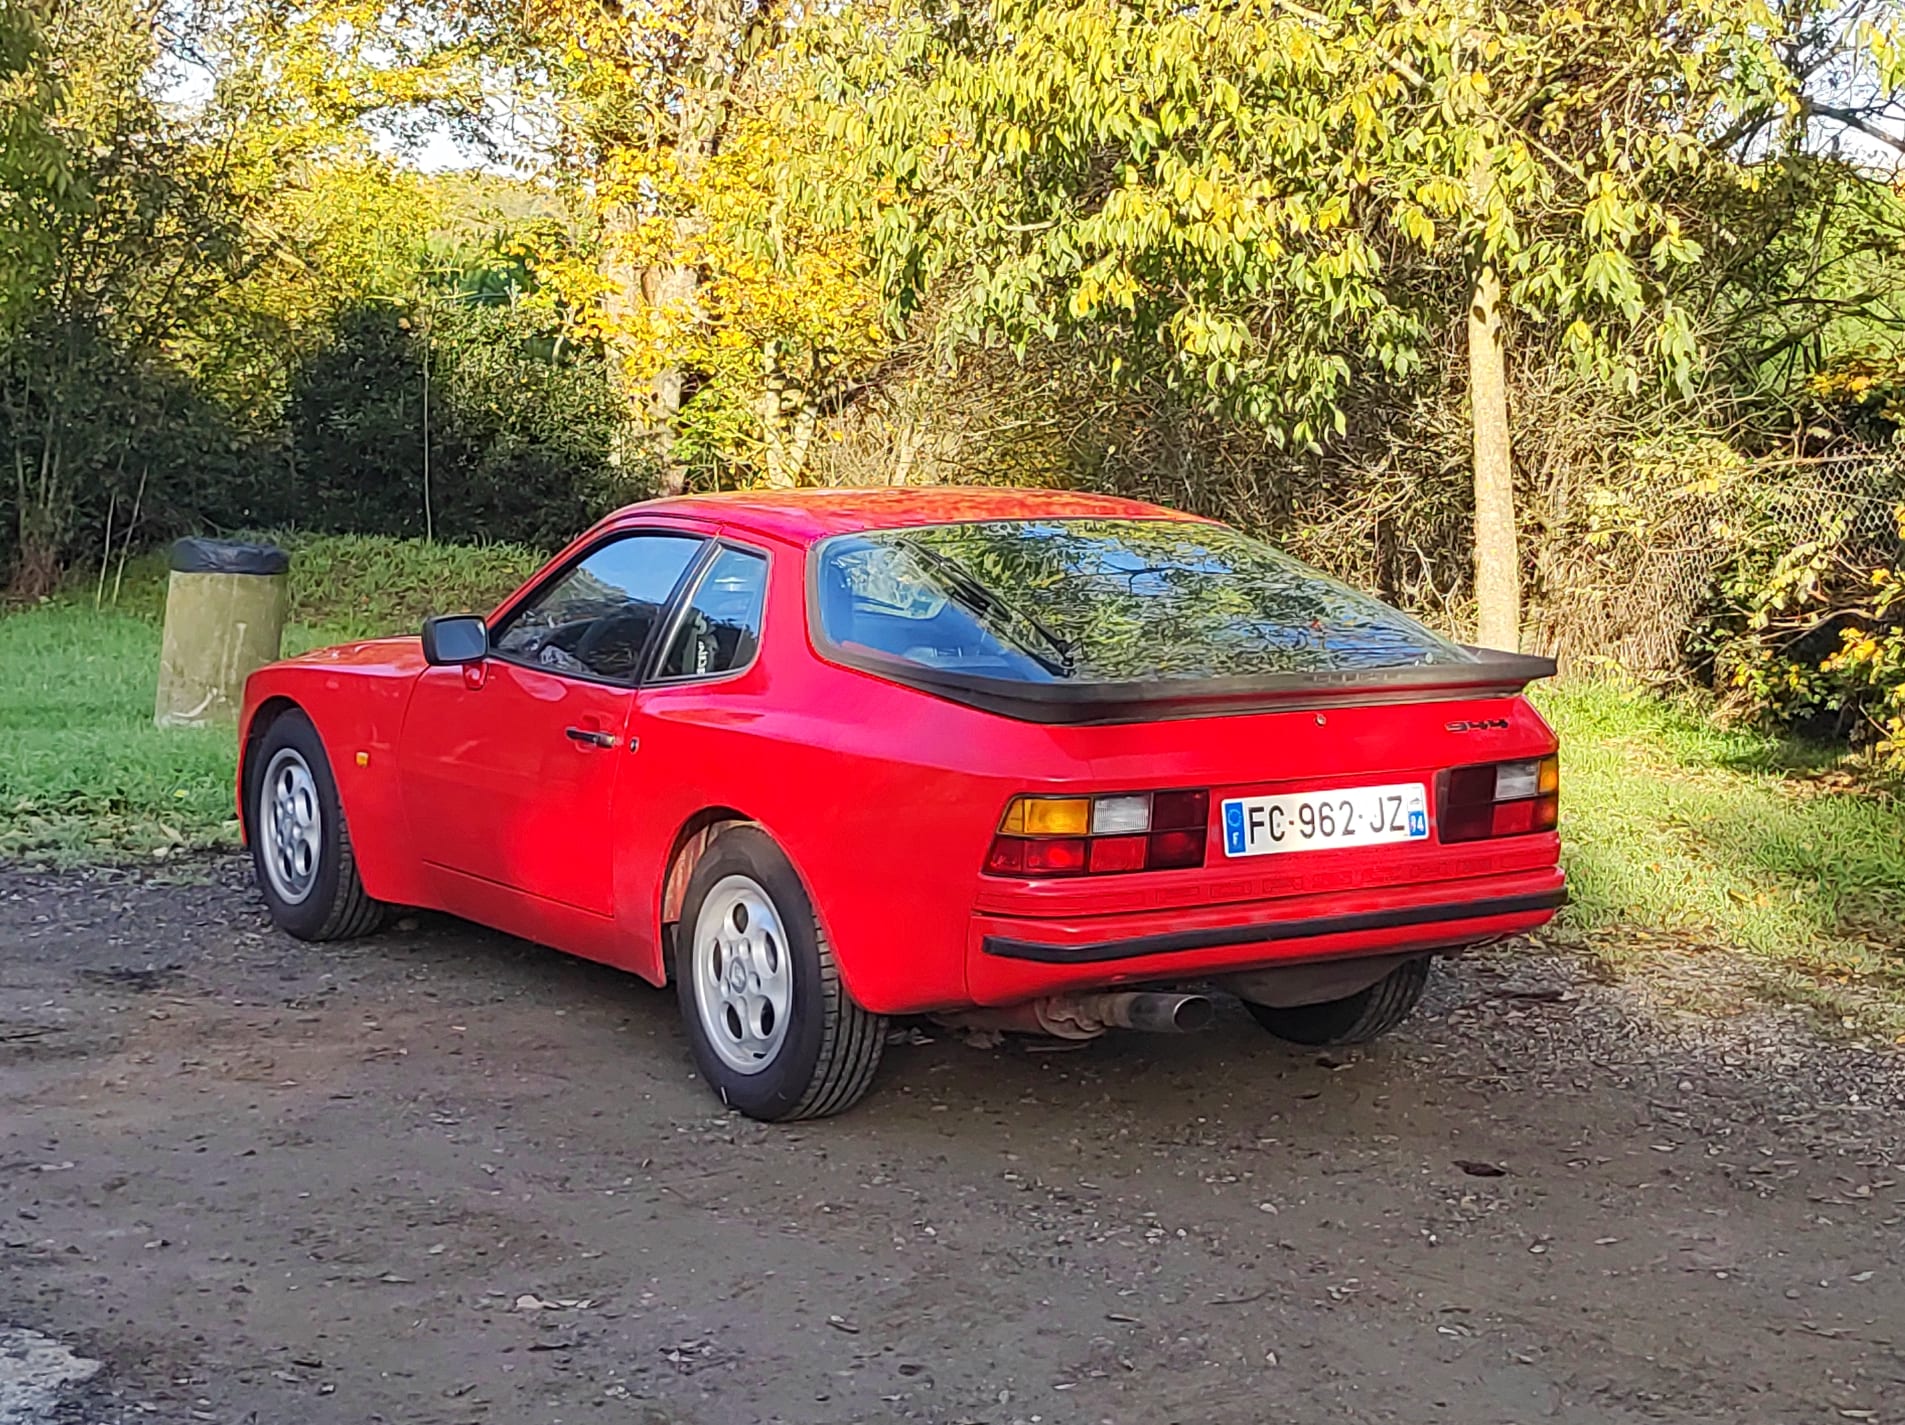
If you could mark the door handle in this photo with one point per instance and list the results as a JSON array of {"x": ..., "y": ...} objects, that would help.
[{"x": 589, "y": 736}]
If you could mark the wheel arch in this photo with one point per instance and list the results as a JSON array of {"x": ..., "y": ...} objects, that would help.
[
  {"x": 267, "y": 712},
  {"x": 690, "y": 844}
]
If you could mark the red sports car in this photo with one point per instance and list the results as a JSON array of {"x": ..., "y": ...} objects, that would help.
[{"x": 1036, "y": 761}]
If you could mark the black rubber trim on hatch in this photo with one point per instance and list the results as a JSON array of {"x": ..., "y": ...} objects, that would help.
[{"x": 1008, "y": 949}]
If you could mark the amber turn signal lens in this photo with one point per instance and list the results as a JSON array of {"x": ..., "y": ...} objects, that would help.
[{"x": 1047, "y": 816}]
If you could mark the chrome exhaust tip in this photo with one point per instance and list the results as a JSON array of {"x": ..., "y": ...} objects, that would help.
[
  {"x": 1152, "y": 1012},
  {"x": 1086, "y": 1016}
]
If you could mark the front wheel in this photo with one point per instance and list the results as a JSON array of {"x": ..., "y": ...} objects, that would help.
[
  {"x": 300, "y": 847},
  {"x": 1354, "y": 1019},
  {"x": 772, "y": 1026}
]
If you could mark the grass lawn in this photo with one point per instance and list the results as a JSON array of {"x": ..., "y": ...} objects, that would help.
[
  {"x": 1685, "y": 837},
  {"x": 82, "y": 768},
  {"x": 1682, "y": 839}
]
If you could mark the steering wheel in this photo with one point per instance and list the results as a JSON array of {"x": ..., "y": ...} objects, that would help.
[{"x": 632, "y": 630}]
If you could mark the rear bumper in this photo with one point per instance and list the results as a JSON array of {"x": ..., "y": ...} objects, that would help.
[{"x": 1016, "y": 958}]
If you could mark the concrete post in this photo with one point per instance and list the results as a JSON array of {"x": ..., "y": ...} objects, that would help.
[{"x": 225, "y": 608}]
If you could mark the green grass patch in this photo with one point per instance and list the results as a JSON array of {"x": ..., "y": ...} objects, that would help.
[
  {"x": 84, "y": 773},
  {"x": 83, "y": 770},
  {"x": 1683, "y": 835}
]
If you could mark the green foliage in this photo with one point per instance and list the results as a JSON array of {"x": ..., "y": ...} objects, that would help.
[
  {"x": 516, "y": 435},
  {"x": 1814, "y": 635},
  {"x": 1269, "y": 203},
  {"x": 127, "y": 236},
  {"x": 224, "y": 312},
  {"x": 34, "y": 173}
]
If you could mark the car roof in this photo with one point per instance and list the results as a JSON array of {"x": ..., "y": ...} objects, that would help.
[{"x": 808, "y": 515}]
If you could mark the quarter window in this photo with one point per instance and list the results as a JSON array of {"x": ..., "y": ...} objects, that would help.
[
  {"x": 721, "y": 627},
  {"x": 595, "y": 620}
]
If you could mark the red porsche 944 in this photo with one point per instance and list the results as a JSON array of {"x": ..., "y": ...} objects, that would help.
[{"x": 1019, "y": 759}]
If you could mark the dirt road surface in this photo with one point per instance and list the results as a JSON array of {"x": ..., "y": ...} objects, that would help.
[{"x": 441, "y": 1176}]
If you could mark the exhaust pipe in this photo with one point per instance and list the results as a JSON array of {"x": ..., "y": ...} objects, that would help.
[
  {"x": 1154, "y": 1013},
  {"x": 1087, "y": 1016}
]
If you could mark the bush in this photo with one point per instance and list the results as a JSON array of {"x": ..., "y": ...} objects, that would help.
[
  {"x": 1815, "y": 639},
  {"x": 519, "y": 428}
]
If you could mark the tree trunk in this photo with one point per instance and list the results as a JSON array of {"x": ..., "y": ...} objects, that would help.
[
  {"x": 788, "y": 418},
  {"x": 673, "y": 290},
  {"x": 723, "y": 38},
  {"x": 651, "y": 407},
  {"x": 1497, "y": 556}
]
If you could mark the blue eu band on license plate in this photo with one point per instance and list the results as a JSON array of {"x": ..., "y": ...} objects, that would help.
[{"x": 1340, "y": 817}]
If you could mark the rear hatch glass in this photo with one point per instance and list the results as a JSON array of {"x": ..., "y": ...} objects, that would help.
[{"x": 1123, "y": 601}]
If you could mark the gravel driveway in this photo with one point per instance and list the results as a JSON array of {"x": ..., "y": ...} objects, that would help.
[{"x": 444, "y": 1176}]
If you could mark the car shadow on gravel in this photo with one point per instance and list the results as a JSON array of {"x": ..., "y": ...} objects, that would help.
[{"x": 979, "y": 1074}]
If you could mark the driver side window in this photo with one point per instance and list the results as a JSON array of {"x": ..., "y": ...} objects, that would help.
[{"x": 595, "y": 620}]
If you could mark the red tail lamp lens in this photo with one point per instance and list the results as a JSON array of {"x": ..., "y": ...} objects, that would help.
[
  {"x": 1055, "y": 856},
  {"x": 1176, "y": 850},
  {"x": 1499, "y": 799},
  {"x": 1116, "y": 853},
  {"x": 1513, "y": 819}
]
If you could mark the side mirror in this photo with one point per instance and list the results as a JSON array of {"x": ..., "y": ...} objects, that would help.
[{"x": 455, "y": 639}]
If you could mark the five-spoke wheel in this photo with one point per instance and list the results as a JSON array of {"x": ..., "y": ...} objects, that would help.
[
  {"x": 743, "y": 981},
  {"x": 773, "y": 1029}
]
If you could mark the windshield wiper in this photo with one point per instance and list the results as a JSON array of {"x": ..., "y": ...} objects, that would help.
[{"x": 982, "y": 601}]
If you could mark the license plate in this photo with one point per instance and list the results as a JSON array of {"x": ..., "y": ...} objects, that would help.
[{"x": 1310, "y": 821}]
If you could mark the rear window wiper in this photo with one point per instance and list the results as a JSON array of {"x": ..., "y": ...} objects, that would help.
[{"x": 981, "y": 600}]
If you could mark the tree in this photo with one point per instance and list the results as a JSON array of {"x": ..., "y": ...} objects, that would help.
[
  {"x": 663, "y": 123},
  {"x": 1268, "y": 203},
  {"x": 117, "y": 237},
  {"x": 35, "y": 176}
]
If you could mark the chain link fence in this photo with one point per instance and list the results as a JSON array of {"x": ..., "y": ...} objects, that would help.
[{"x": 1634, "y": 573}]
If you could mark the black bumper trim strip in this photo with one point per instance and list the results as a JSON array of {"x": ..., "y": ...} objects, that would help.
[{"x": 1008, "y": 949}]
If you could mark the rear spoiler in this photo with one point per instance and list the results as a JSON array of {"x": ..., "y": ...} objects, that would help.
[{"x": 1487, "y": 673}]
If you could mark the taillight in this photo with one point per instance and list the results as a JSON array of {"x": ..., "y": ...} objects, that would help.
[
  {"x": 1499, "y": 799},
  {"x": 1093, "y": 836}
]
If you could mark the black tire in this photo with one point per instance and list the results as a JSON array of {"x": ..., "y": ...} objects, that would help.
[
  {"x": 1354, "y": 1019},
  {"x": 825, "y": 1059},
  {"x": 336, "y": 906}
]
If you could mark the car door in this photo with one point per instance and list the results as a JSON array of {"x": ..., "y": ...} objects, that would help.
[{"x": 510, "y": 765}]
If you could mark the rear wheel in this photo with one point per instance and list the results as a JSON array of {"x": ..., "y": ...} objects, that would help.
[
  {"x": 300, "y": 847},
  {"x": 1354, "y": 1019},
  {"x": 772, "y": 1026}
]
